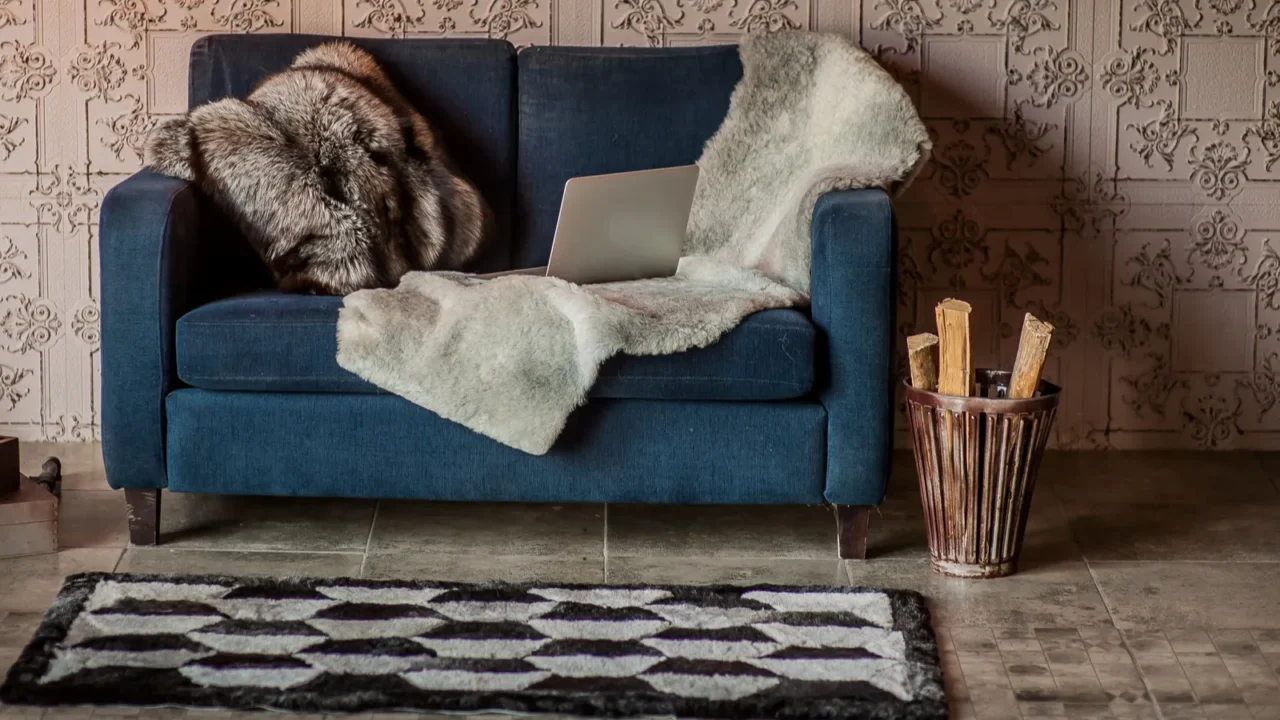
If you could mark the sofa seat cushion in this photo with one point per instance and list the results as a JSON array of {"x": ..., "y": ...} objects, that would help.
[{"x": 275, "y": 342}]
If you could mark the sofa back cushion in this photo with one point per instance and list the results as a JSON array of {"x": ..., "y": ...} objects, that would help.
[
  {"x": 464, "y": 88},
  {"x": 589, "y": 111}
]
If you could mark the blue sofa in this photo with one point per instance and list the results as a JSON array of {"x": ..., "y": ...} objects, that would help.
[{"x": 215, "y": 383}]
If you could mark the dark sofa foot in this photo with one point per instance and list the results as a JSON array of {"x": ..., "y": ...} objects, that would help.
[
  {"x": 852, "y": 522},
  {"x": 143, "y": 508}
]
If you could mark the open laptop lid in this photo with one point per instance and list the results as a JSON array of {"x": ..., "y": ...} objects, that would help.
[{"x": 622, "y": 226}]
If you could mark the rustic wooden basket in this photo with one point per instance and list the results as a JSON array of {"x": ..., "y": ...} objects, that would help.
[{"x": 977, "y": 459}]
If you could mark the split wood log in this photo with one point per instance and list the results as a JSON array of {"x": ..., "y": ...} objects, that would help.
[
  {"x": 1032, "y": 348},
  {"x": 955, "y": 366},
  {"x": 922, "y": 355}
]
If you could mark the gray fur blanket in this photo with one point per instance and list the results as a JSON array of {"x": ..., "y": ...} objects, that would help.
[{"x": 511, "y": 358}]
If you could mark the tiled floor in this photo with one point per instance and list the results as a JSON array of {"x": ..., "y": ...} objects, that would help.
[{"x": 1150, "y": 585}]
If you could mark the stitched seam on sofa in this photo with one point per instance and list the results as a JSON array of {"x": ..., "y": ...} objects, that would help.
[
  {"x": 240, "y": 323},
  {"x": 199, "y": 47},
  {"x": 866, "y": 267},
  {"x": 162, "y": 258},
  {"x": 237, "y": 323},
  {"x": 280, "y": 378},
  {"x": 686, "y": 53},
  {"x": 646, "y": 378},
  {"x": 826, "y": 288},
  {"x": 705, "y": 379},
  {"x": 369, "y": 389},
  {"x": 791, "y": 329},
  {"x": 828, "y": 220}
]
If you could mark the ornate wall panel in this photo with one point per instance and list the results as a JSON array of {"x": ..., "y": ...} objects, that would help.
[{"x": 1111, "y": 165}]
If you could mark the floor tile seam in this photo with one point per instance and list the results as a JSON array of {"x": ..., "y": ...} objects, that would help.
[
  {"x": 1009, "y": 676},
  {"x": 368, "y": 543},
  {"x": 263, "y": 551},
  {"x": 1124, "y": 642},
  {"x": 479, "y": 555},
  {"x": 1187, "y": 562},
  {"x": 833, "y": 556},
  {"x": 960, "y": 669},
  {"x": 77, "y": 546}
]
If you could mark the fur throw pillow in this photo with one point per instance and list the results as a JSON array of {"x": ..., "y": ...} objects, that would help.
[{"x": 336, "y": 181}]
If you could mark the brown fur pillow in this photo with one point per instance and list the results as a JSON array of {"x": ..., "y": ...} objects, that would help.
[{"x": 337, "y": 182}]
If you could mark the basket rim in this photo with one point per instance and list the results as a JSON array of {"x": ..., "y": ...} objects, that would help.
[{"x": 1044, "y": 401}]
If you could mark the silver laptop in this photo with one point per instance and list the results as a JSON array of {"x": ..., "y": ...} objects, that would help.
[{"x": 624, "y": 226}]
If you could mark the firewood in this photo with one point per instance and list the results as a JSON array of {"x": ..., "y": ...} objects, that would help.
[
  {"x": 922, "y": 354},
  {"x": 955, "y": 366},
  {"x": 1032, "y": 348}
]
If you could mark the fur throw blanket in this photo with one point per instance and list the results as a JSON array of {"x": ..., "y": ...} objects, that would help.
[
  {"x": 512, "y": 357},
  {"x": 336, "y": 181}
]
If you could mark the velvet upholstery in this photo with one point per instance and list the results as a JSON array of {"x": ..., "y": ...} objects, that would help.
[
  {"x": 273, "y": 414},
  {"x": 277, "y": 342}
]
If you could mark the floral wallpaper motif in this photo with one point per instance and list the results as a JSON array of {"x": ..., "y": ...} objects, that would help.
[{"x": 1110, "y": 165}]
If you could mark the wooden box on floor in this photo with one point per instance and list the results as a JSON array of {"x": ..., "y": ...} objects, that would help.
[{"x": 28, "y": 521}]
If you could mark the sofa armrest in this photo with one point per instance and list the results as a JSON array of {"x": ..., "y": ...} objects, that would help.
[
  {"x": 853, "y": 293},
  {"x": 150, "y": 232}
]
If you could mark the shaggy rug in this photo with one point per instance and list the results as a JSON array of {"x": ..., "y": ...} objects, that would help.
[
  {"x": 333, "y": 645},
  {"x": 513, "y": 357}
]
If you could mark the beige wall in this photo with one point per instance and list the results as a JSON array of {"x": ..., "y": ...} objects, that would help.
[{"x": 1108, "y": 165}]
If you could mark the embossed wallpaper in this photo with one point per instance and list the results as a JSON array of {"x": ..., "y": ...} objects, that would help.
[{"x": 1110, "y": 165}]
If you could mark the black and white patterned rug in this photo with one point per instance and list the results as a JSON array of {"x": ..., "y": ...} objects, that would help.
[{"x": 326, "y": 645}]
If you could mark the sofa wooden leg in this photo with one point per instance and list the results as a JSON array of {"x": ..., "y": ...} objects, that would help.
[
  {"x": 143, "y": 507},
  {"x": 852, "y": 522}
]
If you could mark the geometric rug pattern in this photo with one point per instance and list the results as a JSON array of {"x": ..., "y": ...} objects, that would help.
[{"x": 326, "y": 645}]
